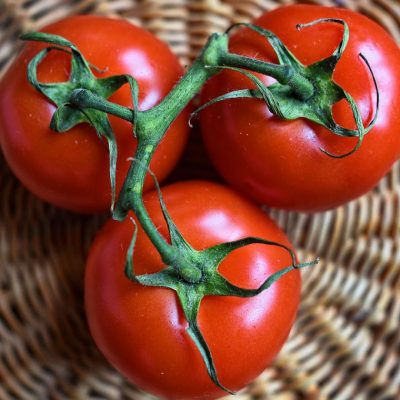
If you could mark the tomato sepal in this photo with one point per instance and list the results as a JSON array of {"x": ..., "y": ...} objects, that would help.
[
  {"x": 81, "y": 82},
  {"x": 193, "y": 274},
  {"x": 300, "y": 91}
]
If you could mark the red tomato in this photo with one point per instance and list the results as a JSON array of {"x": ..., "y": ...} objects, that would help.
[
  {"x": 279, "y": 162},
  {"x": 70, "y": 169},
  {"x": 142, "y": 330}
]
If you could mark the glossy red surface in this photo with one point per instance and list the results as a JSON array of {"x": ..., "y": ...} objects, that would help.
[
  {"x": 141, "y": 330},
  {"x": 70, "y": 169},
  {"x": 279, "y": 162}
]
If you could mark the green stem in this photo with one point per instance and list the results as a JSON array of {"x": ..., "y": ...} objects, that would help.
[
  {"x": 84, "y": 98},
  {"x": 131, "y": 194},
  {"x": 151, "y": 127},
  {"x": 134, "y": 192},
  {"x": 152, "y": 124},
  {"x": 160, "y": 117},
  {"x": 284, "y": 74}
]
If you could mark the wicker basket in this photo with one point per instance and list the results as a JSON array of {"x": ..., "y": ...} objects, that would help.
[{"x": 346, "y": 342}]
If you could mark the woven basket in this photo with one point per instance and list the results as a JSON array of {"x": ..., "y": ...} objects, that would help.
[{"x": 346, "y": 341}]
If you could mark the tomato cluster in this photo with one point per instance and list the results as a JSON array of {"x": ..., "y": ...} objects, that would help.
[{"x": 142, "y": 330}]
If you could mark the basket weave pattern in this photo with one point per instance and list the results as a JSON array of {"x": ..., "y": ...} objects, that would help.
[{"x": 346, "y": 342}]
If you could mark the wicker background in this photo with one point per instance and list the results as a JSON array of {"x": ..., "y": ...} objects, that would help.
[{"x": 346, "y": 342}]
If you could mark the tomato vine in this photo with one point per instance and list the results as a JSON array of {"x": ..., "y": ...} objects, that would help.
[{"x": 300, "y": 92}]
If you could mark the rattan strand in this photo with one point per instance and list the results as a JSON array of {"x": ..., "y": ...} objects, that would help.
[{"x": 346, "y": 341}]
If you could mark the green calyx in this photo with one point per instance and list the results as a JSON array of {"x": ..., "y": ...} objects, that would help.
[
  {"x": 301, "y": 91},
  {"x": 81, "y": 77},
  {"x": 194, "y": 274}
]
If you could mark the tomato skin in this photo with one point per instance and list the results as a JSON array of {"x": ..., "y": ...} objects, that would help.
[
  {"x": 141, "y": 330},
  {"x": 278, "y": 162},
  {"x": 71, "y": 169}
]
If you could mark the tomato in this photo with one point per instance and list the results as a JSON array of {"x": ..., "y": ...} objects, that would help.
[
  {"x": 71, "y": 170},
  {"x": 280, "y": 162},
  {"x": 142, "y": 330}
]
